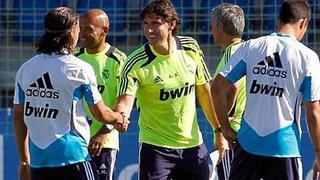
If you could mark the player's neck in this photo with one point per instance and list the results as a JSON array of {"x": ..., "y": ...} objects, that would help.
[
  {"x": 98, "y": 49},
  {"x": 166, "y": 47},
  {"x": 293, "y": 29},
  {"x": 230, "y": 40}
]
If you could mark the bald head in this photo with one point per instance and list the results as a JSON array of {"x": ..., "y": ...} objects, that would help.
[
  {"x": 94, "y": 28},
  {"x": 97, "y": 17}
]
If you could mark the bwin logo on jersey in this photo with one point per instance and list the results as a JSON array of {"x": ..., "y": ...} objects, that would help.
[
  {"x": 176, "y": 93},
  {"x": 41, "y": 112},
  {"x": 42, "y": 88},
  {"x": 266, "y": 89},
  {"x": 271, "y": 66}
]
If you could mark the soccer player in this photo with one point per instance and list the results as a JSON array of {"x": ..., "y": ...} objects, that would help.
[
  {"x": 166, "y": 75},
  {"x": 280, "y": 73},
  {"x": 106, "y": 61},
  {"x": 227, "y": 22},
  {"x": 49, "y": 117}
]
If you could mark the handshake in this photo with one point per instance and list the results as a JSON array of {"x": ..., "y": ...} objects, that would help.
[{"x": 121, "y": 122}]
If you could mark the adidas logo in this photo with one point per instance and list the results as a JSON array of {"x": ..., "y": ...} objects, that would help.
[
  {"x": 270, "y": 66},
  {"x": 272, "y": 62},
  {"x": 103, "y": 166},
  {"x": 42, "y": 82},
  {"x": 42, "y": 88},
  {"x": 157, "y": 79}
]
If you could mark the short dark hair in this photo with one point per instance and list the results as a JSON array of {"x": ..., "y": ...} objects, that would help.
[
  {"x": 293, "y": 10},
  {"x": 56, "y": 38},
  {"x": 164, "y": 9}
]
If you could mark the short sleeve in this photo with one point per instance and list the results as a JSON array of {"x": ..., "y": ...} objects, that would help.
[
  {"x": 19, "y": 95},
  {"x": 202, "y": 74},
  {"x": 236, "y": 66},
  {"x": 128, "y": 80},
  {"x": 118, "y": 69},
  {"x": 310, "y": 87},
  {"x": 90, "y": 88}
]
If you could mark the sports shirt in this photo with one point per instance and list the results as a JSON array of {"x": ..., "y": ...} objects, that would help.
[
  {"x": 280, "y": 72},
  {"x": 107, "y": 65},
  {"x": 238, "y": 108},
  {"x": 52, "y": 89},
  {"x": 164, "y": 86}
]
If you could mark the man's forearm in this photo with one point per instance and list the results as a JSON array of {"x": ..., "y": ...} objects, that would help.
[
  {"x": 205, "y": 101},
  {"x": 21, "y": 133},
  {"x": 125, "y": 105},
  {"x": 313, "y": 121},
  {"x": 219, "y": 99}
]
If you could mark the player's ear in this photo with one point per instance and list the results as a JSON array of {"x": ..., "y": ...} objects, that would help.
[
  {"x": 106, "y": 29},
  {"x": 304, "y": 23},
  {"x": 172, "y": 24},
  {"x": 220, "y": 26}
]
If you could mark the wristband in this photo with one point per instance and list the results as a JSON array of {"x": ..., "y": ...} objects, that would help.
[{"x": 109, "y": 127}]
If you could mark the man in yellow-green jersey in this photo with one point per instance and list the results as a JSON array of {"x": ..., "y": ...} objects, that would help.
[
  {"x": 166, "y": 75},
  {"x": 227, "y": 21},
  {"x": 106, "y": 61}
]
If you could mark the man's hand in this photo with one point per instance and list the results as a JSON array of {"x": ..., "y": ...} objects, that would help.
[
  {"x": 316, "y": 167},
  {"x": 95, "y": 144},
  {"x": 121, "y": 123},
  {"x": 24, "y": 171},
  {"x": 229, "y": 134},
  {"x": 221, "y": 144}
]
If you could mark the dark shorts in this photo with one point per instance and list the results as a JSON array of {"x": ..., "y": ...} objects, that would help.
[
  {"x": 158, "y": 163},
  {"x": 223, "y": 168},
  {"x": 246, "y": 166},
  {"x": 105, "y": 163},
  {"x": 79, "y": 171}
]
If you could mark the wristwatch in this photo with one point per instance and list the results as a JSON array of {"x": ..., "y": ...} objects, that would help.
[{"x": 109, "y": 127}]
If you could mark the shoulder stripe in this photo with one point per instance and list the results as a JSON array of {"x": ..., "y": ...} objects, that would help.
[
  {"x": 189, "y": 49},
  {"x": 205, "y": 69},
  {"x": 81, "y": 51},
  {"x": 136, "y": 55},
  {"x": 127, "y": 67},
  {"x": 186, "y": 45},
  {"x": 188, "y": 42},
  {"x": 228, "y": 55},
  {"x": 110, "y": 54},
  {"x": 179, "y": 44},
  {"x": 151, "y": 56},
  {"x": 186, "y": 38}
]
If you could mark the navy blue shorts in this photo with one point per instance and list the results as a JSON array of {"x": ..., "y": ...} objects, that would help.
[
  {"x": 79, "y": 171},
  {"x": 158, "y": 163},
  {"x": 246, "y": 166},
  {"x": 223, "y": 168},
  {"x": 105, "y": 163}
]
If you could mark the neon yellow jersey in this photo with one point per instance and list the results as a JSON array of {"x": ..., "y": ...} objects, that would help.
[
  {"x": 238, "y": 109},
  {"x": 107, "y": 65},
  {"x": 164, "y": 86}
]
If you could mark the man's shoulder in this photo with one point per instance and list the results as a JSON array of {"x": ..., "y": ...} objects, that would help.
[
  {"x": 187, "y": 43},
  {"x": 115, "y": 54},
  {"x": 138, "y": 54},
  {"x": 76, "y": 62}
]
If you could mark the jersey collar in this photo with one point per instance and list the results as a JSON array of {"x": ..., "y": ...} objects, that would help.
[
  {"x": 282, "y": 35},
  {"x": 104, "y": 51}
]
